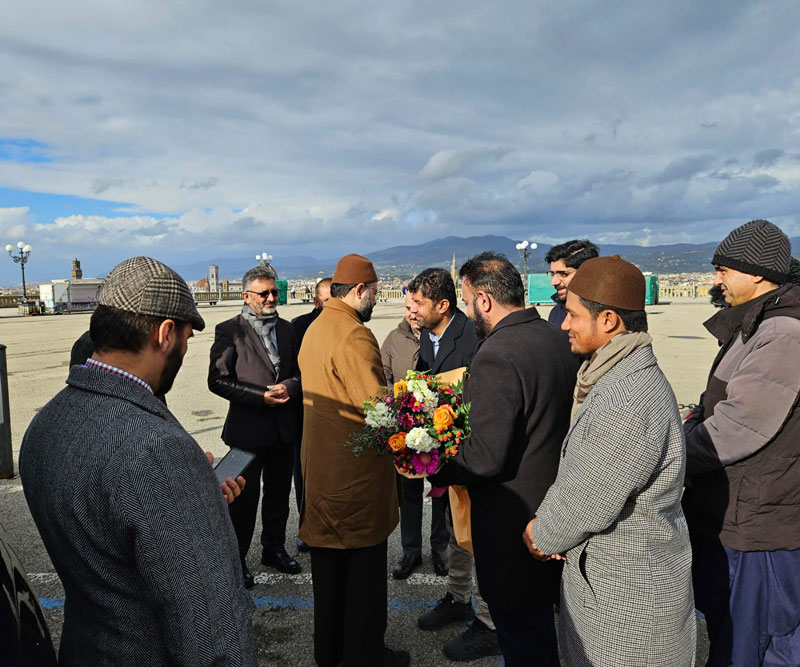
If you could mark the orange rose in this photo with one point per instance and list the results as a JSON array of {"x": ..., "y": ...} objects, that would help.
[
  {"x": 400, "y": 388},
  {"x": 443, "y": 417},
  {"x": 397, "y": 442}
]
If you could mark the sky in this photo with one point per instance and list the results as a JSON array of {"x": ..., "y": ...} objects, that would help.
[{"x": 198, "y": 131}]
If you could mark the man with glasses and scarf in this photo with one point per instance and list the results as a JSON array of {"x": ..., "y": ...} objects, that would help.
[{"x": 254, "y": 366}]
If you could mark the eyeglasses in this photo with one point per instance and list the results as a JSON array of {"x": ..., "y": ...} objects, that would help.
[
  {"x": 560, "y": 274},
  {"x": 274, "y": 292}
]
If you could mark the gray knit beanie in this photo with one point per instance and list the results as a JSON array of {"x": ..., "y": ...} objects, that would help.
[{"x": 757, "y": 247}]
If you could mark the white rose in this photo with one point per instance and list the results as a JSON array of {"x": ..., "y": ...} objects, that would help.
[{"x": 419, "y": 440}]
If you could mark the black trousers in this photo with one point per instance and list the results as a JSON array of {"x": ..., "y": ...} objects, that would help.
[
  {"x": 527, "y": 637},
  {"x": 411, "y": 519},
  {"x": 273, "y": 464},
  {"x": 350, "y": 595}
]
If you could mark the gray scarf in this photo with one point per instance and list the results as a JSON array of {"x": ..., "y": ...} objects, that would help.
[
  {"x": 263, "y": 325},
  {"x": 604, "y": 359}
]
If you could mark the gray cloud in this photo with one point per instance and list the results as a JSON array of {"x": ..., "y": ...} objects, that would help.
[
  {"x": 204, "y": 184},
  {"x": 768, "y": 157},
  {"x": 683, "y": 169},
  {"x": 336, "y": 125}
]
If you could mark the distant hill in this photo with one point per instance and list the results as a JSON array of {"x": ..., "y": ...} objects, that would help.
[{"x": 407, "y": 260}]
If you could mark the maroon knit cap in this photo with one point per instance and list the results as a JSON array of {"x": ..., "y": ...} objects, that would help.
[
  {"x": 354, "y": 269},
  {"x": 610, "y": 281}
]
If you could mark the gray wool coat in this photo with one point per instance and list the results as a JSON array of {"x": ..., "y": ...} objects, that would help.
[
  {"x": 137, "y": 528},
  {"x": 614, "y": 509}
]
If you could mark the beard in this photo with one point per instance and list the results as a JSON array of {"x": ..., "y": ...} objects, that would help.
[
  {"x": 264, "y": 310},
  {"x": 171, "y": 367},
  {"x": 365, "y": 308},
  {"x": 481, "y": 325}
]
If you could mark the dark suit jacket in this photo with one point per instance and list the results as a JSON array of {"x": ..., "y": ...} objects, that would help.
[
  {"x": 520, "y": 385},
  {"x": 455, "y": 349},
  {"x": 302, "y": 322},
  {"x": 240, "y": 371}
]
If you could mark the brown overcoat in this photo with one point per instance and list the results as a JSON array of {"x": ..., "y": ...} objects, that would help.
[{"x": 350, "y": 502}]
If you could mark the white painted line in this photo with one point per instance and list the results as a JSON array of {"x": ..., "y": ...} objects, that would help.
[
  {"x": 43, "y": 577},
  {"x": 272, "y": 578},
  {"x": 419, "y": 579}
]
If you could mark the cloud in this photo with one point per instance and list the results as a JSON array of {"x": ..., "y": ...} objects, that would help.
[
  {"x": 204, "y": 184},
  {"x": 683, "y": 169},
  {"x": 768, "y": 157},
  {"x": 449, "y": 162},
  {"x": 328, "y": 127}
]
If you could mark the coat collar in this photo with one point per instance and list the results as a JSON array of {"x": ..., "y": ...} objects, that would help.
[
  {"x": 255, "y": 340},
  {"x": 517, "y": 317},
  {"x": 405, "y": 328},
  {"x": 338, "y": 306},
  {"x": 447, "y": 343},
  {"x": 746, "y": 317},
  {"x": 100, "y": 382},
  {"x": 637, "y": 361}
]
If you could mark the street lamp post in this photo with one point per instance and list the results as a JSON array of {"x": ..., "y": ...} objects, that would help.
[
  {"x": 20, "y": 257},
  {"x": 525, "y": 249},
  {"x": 264, "y": 257}
]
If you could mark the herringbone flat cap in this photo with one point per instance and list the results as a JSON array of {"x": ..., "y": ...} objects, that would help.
[
  {"x": 145, "y": 286},
  {"x": 757, "y": 247}
]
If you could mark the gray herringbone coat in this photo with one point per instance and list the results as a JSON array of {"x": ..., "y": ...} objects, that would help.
[
  {"x": 138, "y": 530},
  {"x": 626, "y": 591}
]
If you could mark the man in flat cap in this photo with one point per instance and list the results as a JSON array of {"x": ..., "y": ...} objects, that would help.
[
  {"x": 128, "y": 506},
  {"x": 743, "y": 459},
  {"x": 350, "y": 503},
  {"x": 614, "y": 508}
]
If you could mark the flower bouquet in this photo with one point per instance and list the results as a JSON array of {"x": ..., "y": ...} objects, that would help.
[{"x": 421, "y": 422}]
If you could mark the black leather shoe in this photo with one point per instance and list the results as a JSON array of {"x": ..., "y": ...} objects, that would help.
[
  {"x": 406, "y": 565},
  {"x": 281, "y": 561},
  {"x": 441, "y": 562},
  {"x": 446, "y": 611},
  {"x": 395, "y": 658},
  {"x": 477, "y": 642},
  {"x": 247, "y": 577},
  {"x": 302, "y": 547}
]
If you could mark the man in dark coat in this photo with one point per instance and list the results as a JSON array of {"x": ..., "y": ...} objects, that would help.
[
  {"x": 565, "y": 259},
  {"x": 322, "y": 292},
  {"x": 520, "y": 386},
  {"x": 254, "y": 366},
  {"x": 126, "y": 503},
  {"x": 447, "y": 341}
]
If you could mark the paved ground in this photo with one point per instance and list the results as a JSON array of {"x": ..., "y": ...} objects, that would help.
[{"x": 38, "y": 354}]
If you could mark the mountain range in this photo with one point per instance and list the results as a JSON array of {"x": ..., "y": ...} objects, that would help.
[{"x": 404, "y": 261}]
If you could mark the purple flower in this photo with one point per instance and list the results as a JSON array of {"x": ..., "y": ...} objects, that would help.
[
  {"x": 425, "y": 463},
  {"x": 406, "y": 420}
]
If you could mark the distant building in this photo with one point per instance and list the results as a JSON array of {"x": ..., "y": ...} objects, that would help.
[
  {"x": 77, "y": 273},
  {"x": 213, "y": 278}
]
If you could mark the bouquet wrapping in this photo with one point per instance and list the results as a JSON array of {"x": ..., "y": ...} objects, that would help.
[{"x": 421, "y": 422}]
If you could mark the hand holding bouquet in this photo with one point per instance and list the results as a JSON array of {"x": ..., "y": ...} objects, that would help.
[{"x": 422, "y": 423}]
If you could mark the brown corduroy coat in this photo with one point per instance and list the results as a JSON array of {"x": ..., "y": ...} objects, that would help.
[{"x": 350, "y": 502}]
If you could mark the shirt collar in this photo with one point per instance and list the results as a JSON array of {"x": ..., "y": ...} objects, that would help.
[
  {"x": 437, "y": 339},
  {"x": 108, "y": 368}
]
